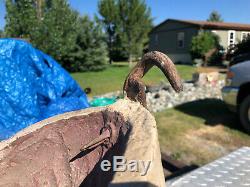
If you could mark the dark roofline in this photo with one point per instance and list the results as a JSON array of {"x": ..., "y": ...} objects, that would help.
[
  {"x": 167, "y": 20},
  {"x": 208, "y": 25}
]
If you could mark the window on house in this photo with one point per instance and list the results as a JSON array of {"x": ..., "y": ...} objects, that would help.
[
  {"x": 180, "y": 39},
  {"x": 245, "y": 35},
  {"x": 231, "y": 38}
]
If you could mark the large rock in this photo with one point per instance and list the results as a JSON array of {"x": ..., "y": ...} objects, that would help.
[
  {"x": 202, "y": 79},
  {"x": 47, "y": 153}
]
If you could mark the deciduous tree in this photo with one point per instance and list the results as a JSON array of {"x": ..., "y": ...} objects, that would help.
[
  {"x": 109, "y": 11},
  {"x": 202, "y": 43},
  {"x": 134, "y": 24},
  {"x": 128, "y": 23}
]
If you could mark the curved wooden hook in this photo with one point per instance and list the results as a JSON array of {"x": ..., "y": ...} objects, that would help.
[{"x": 133, "y": 85}]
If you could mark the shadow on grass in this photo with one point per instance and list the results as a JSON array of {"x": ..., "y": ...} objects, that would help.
[
  {"x": 120, "y": 64},
  {"x": 213, "y": 111}
]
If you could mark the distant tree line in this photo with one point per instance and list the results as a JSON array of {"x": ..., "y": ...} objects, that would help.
[{"x": 77, "y": 42}]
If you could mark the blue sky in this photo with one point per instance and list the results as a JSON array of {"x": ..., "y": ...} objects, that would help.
[{"x": 231, "y": 10}]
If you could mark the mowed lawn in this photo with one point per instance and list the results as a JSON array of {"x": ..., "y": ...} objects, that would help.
[
  {"x": 199, "y": 132},
  {"x": 194, "y": 133},
  {"x": 113, "y": 77}
]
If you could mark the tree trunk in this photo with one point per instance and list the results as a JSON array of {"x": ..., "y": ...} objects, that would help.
[
  {"x": 110, "y": 48},
  {"x": 39, "y": 9},
  {"x": 109, "y": 44},
  {"x": 110, "y": 60},
  {"x": 130, "y": 60}
]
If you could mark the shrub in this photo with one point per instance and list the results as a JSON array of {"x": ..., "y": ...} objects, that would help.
[
  {"x": 242, "y": 47},
  {"x": 202, "y": 43},
  {"x": 90, "y": 51}
]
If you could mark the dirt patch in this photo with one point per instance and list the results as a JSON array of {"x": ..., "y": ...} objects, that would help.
[
  {"x": 214, "y": 134},
  {"x": 209, "y": 143}
]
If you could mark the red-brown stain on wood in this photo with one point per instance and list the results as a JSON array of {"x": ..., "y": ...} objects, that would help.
[{"x": 50, "y": 156}]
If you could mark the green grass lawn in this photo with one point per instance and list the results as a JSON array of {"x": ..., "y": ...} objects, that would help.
[
  {"x": 200, "y": 132},
  {"x": 112, "y": 78},
  {"x": 195, "y": 133}
]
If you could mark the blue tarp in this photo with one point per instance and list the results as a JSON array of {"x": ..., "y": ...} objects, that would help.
[{"x": 33, "y": 86}]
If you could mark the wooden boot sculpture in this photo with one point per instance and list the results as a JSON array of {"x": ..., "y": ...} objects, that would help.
[{"x": 65, "y": 150}]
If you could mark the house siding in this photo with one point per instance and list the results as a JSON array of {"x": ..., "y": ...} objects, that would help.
[
  {"x": 167, "y": 40},
  {"x": 223, "y": 35},
  {"x": 164, "y": 39}
]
